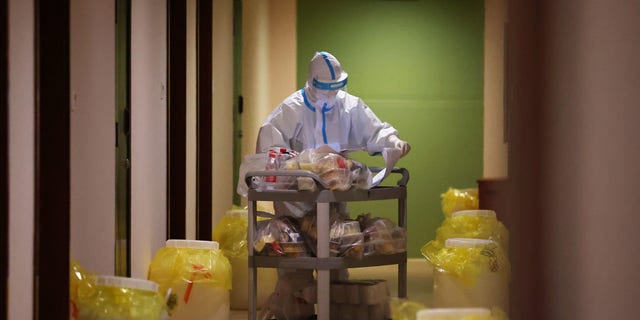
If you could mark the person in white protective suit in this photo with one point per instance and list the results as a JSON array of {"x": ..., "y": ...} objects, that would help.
[{"x": 322, "y": 113}]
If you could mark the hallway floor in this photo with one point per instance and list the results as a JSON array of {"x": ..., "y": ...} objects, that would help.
[{"x": 419, "y": 282}]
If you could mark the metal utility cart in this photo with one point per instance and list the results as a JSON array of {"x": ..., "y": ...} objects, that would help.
[{"x": 323, "y": 263}]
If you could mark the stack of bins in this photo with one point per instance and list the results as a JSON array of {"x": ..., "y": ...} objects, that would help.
[{"x": 471, "y": 267}]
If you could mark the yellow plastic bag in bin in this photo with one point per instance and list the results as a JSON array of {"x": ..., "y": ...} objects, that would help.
[
  {"x": 96, "y": 297},
  {"x": 196, "y": 276},
  {"x": 466, "y": 263},
  {"x": 470, "y": 273},
  {"x": 459, "y": 199},
  {"x": 479, "y": 224}
]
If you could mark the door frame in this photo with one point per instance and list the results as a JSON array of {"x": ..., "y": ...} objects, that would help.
[
  {"x": 204, "y": 136},
  {"x": 52, "y": 159},
  {"x": 4, "y": 161}
]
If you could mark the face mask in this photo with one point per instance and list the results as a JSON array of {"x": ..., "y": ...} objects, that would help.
[{"x": 327, "y": 96}]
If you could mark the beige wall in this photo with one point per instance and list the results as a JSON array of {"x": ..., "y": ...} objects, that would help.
[
  {"x": 268, "y": 62},
  {"x": 92, "y": 229},
  {"x": 21, "y": 158},
  {"x": 494, "y": 149},
  {"x": 148, "y": 132},
  {"x": 191, "y": 111},
  {"x": 222, "y": 124}
]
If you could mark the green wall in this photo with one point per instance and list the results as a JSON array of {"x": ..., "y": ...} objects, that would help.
[{"x": 419, "y": 66}]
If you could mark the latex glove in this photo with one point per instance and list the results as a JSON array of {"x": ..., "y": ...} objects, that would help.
[{"x": 400, "y": 144}]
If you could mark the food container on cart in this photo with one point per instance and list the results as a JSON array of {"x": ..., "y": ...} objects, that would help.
[
  {"x": 470, "y": 273},
  {"x": 196, "y": 277}
]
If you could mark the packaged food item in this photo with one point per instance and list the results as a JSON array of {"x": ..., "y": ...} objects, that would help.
[
  {"x": 280, "y": 237},
  {"x": 381, "y": 236},
  {"x": 251, "y": 162},
  {"x": 470, "y": 273},
  {"x": 196, "y": 276},
  {"x": 345, "y": 237}
]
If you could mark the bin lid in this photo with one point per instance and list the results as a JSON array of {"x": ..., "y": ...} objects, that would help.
[
  {"x": 194, "y": 244},
  {"x": 466, "y": 242},
  {"x": 451, "y": 313},
  {"x": 474, "y": 213},
  {"x": 124, "y": 282}
]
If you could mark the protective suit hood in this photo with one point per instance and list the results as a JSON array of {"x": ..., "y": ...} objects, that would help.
[{"x": 324, "y": 79}]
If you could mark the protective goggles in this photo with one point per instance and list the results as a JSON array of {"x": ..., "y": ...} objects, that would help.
[{"x": 329, "y": 85}]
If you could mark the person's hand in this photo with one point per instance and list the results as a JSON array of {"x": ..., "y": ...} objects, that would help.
[
  {"x": 400, "y": 145},
  {"x": 404, "y": 146}
]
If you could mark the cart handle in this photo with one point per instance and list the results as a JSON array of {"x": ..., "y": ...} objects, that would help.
[{"x": 306, "y": 173}]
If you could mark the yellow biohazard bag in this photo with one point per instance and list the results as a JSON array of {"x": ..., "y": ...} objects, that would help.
[
  {"x": 470, "y": 272},
  {"x": 459, "y": 199},
  {"x": 479, "y": 224},
  {"x": 231, "y": 234},
  {"x": 99, "y": 297},
  {"x": 467, "y": 263},
  {"x": 196, "y": 276}
]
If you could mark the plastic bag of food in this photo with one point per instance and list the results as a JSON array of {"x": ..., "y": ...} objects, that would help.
[
  {"x": 275, "y": 159},
  {"x": 381, "y": 236},
  {"x": 345, "y": 237},
  {"x": 280, "y": 236},
  {"x": 338, "y": 172},
  {"x": 459, "y": 199},
  {"x": 480, "y": 224},
  {"x": 197, "y": 277},
  {"x": 108, "y": 298},
  {"x": 251, "y": 162}
]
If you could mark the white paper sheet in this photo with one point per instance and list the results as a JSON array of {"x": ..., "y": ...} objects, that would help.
[{"x": 391, "y": 156}]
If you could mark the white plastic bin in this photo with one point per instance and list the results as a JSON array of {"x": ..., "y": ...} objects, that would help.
[
  {"x": 197, "y": 278},
  {"x": 475, "y": 275},
  {"x": 454, "y": 314},
  {"x": 114, "y": 298}
]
